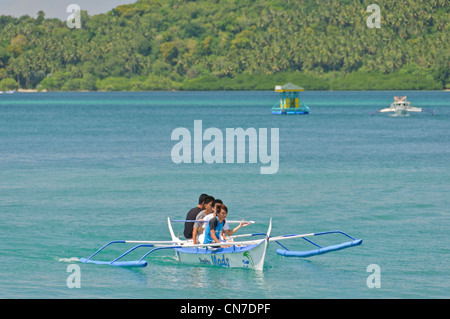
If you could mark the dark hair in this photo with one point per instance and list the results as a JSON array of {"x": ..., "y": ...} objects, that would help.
[
  {"x": 220, "y": 207},
  {"x": 201, "y": 199},
  {"x": 209, "y": 199},
  {"x": 217, "y": 201}
]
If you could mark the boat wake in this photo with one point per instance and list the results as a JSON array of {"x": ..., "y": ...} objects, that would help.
[
  {"x": 69, "y": 260},
  {"x": 399, "y": 115}
]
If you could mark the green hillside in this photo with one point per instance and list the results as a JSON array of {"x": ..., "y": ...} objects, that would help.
[{"x": 232, "y": 45}]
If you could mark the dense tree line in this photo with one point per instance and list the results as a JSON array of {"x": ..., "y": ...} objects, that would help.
[{"x": 232, "y": 44}]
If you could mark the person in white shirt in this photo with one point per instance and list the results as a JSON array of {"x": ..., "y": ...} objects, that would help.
[
  {"x": 226, "y": 227},
  {"x": 198, "y": 226},
  {"x": 202, "y": 216}
]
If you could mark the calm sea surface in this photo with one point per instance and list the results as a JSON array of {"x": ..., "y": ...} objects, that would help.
[{"x": 78, "y": 170}]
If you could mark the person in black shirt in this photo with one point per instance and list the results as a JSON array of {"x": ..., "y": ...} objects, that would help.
[{"x": 192, "y": 214}]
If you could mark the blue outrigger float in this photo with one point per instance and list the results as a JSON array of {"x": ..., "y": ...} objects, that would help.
[{"x": 234, "y": 254}]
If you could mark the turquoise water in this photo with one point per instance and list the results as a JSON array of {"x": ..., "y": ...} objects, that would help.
[{"x": 78, "y": 170}]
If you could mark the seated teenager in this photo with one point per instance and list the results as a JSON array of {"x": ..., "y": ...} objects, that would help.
[
  {"x": 198, "y": 227},
  {"x": 214, "y": 229},
  {"x": 191, "y": 215}
]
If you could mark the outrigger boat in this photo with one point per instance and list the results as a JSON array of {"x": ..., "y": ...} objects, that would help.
[
  {"x": 402, "y": 107},
  {"x": 235, "y": 254}
]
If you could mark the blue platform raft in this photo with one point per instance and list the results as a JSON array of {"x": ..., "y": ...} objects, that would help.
[{"x": 289, "y": 100}]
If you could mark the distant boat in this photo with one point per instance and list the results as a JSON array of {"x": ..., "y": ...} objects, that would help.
[
  {"x": 8, "y": 92},
  {"x": 289, "y": 100},
  {"x": 402, "y": 107}
]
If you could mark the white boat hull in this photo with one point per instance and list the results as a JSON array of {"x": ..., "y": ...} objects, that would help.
[
  {"x": 245, "y": 256},
  {"x": 248, "y": 256},
  {"x": 401, "y": 112}
]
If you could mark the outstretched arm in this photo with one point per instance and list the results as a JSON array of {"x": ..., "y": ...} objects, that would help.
[{"x": 242, "y": 224}]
